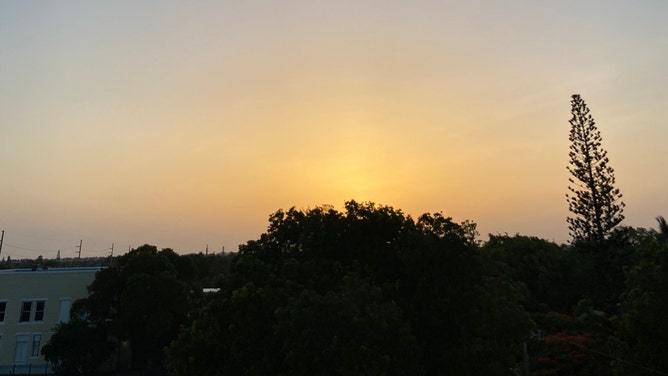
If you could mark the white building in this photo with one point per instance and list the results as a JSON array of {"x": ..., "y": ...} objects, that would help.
[{"x": 32, "y": 302}]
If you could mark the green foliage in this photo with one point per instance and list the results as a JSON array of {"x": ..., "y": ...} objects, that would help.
[
  {"x": 144, "y": 299},
  {"x": 140, "y": 299},
  {"x": 353, "y": 331},
  {"x": 594, "y": 201},
  {"x": 534, "y": 264},
  {"x": 77, "y": 348},
  {"x": 597, "y": 270},
  {"x": 369, "y": 290},
  {"x": 364, "y": 291},
  {"x": 643, "y": 329},
  {"x": 662, "y": 234}
]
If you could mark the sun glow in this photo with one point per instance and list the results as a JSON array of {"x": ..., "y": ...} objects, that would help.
[{"x": 211, "y": 117}]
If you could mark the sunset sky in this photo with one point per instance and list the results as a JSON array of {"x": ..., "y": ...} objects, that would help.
[{"x": 186, "y": 123}]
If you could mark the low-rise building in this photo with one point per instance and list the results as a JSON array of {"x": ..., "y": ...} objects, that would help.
[{"x": 32, "y": 303}]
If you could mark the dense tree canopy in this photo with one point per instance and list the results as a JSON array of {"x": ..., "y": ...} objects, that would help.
[
  {"x": 364, "y": 291},
  {"x": 77, "y": 348},
  {"x": 642, "y": 321},
  {"x": 370, "y": 290},
  {"x": 534, "y": 264},
  {"x": 142, "y": 300},
  {"x": 138, "y": 303}
]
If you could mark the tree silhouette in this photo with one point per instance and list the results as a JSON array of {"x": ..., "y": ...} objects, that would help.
[
  {"x": 662, "y": 234},
  {"x": 593, "y": 201}
]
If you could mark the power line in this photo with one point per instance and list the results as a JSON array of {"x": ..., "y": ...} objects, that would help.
[
  {"x": 11, "y": 254},
  {"x": 31, "y": 249},
  {"x": 54, "y": 250}
]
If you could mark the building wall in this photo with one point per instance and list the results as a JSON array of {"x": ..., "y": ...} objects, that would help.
[{"x": 57, "y": 288}]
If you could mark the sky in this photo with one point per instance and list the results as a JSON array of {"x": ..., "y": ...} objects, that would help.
[{"x": 184, "y": 124}]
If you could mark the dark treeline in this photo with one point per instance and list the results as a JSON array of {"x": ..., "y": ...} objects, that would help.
[
  {"x": 42, "y": 263},
  {"x": 371, "y": 291}
]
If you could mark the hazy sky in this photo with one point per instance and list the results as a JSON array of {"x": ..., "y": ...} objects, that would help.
[{"x": 186, "y": 123}]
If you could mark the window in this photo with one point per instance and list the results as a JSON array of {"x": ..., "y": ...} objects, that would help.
[
  {"x": 21, "y": 349},
  {"x": 39, "y": 310},
  {"x": 26, "y": 307},
  {"x": 27, "y": 311},
  {"x": 65, "y": 306},
  {"x": 3, "y": 308},
  {"x": 36, "y": 339}
]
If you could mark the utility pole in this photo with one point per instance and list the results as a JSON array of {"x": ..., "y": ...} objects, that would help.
[
  {"x": 80, "y": 244},
  {"x": 111, "y": 256},
  {"x": 206, "y": 252},
  {"x": 1, "y": 240}
]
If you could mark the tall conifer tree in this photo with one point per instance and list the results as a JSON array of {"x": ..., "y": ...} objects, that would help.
[{"x": 594, "y": 201}]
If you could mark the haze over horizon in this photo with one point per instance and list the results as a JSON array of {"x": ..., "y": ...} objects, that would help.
[{"x": 182, "y": 124}]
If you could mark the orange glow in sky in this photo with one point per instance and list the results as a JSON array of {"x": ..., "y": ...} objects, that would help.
[{"x": 183, "y": 124}]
